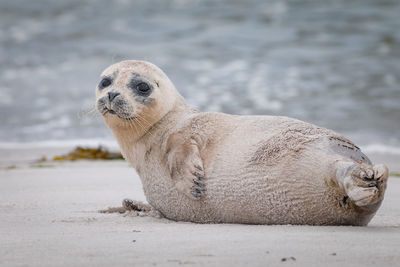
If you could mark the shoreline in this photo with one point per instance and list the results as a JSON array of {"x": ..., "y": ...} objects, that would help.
[{"x": 23, "y": 156}]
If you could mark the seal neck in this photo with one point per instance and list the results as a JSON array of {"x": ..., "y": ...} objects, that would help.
[
  {"x": 136, "y": 132},
  {"x": 176, "y": 114}
]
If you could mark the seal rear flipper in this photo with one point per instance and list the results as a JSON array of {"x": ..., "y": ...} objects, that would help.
[{"x": 186, "y": 166}]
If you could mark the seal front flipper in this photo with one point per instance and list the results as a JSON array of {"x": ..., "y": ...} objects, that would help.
[{"x": 185, "y": 165}]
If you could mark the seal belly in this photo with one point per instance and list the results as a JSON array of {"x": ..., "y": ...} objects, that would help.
[
  {"x": 240, "y": 192},
  {"x": 258, "y": 180}
]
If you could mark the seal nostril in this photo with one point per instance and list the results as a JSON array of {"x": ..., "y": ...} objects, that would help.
[{"x": 112, "y": 95}]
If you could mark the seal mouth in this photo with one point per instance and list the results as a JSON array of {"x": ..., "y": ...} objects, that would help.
[{"x": 112, "y": 112}]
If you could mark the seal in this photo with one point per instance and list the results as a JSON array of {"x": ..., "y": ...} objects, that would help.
[{"x": 210, "y": 167}]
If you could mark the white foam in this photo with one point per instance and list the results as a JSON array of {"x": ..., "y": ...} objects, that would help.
[
  {"x": 381, "y": 148},
  {"x": 110, "y": 144}
]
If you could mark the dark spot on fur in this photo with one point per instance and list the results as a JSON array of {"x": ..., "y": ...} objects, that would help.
[
  {"x": 144, "y": 100},
  {"x": 343, "y": 140},
  {"x": 345, "y": 147},
  {"x": 344, "y": 201},
  {"x": 147, "y": 154}
]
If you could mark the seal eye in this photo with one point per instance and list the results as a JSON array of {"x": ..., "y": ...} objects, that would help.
[
  {"x": 140, "y": 86},
  {"x": 105, "y": 83},
  {"x": 143, "y": 87}
]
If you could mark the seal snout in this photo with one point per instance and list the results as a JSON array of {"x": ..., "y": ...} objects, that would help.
[
  {"x": 114, "y": 105},
  {"x": 112, "y": 95}
]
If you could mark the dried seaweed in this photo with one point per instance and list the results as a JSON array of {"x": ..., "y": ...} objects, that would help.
[{"x": 99, "y": 153}]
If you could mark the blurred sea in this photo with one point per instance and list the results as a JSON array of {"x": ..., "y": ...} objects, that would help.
[{"x": 332, "y": 63}]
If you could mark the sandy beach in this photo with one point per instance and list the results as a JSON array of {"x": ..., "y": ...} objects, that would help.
[{"x": 49, "y": 217}]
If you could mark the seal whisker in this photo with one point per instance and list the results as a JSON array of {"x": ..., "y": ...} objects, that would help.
[
  {"x": 131, "y": 126},
  {"x": 145, "y": 120},
  {"x": 139, "y": 121},
  {"x": 149, "y": 125},
  {"x": 90, "y": 111}
]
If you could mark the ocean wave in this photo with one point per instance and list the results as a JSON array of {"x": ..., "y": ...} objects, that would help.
[
  {"x": 381, "y": 148},
  {"x": 255, "y": 57}
]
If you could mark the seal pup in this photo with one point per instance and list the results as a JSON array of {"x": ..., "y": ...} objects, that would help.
[{"x": 211, "y": 167}]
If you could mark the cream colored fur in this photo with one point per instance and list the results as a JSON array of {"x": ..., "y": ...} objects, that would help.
[{"x": 217, "y": 168}]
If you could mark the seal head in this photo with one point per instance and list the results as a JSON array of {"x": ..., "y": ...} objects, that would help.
[{"x": 134, "y": 94}]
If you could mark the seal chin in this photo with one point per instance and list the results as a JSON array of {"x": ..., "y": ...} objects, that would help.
[{"x": 121, "y": 116}]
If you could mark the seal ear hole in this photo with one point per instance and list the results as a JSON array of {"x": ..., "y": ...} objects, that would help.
[
  {"x": 157, "y": 83},
  {"x": 105, "y": 82}
]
